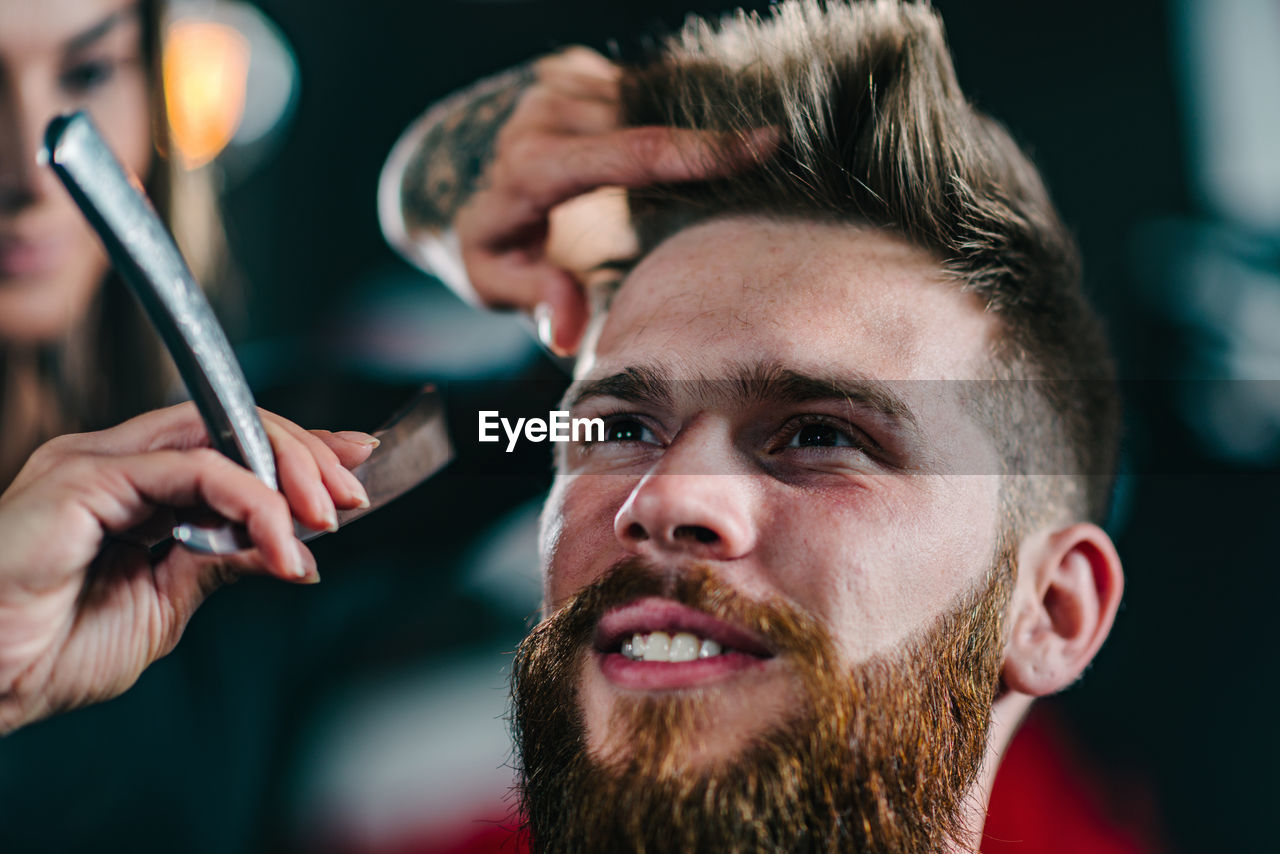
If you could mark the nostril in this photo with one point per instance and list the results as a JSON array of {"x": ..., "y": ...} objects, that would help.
[
  {"x": 699, "y": 533},
  {"x": 636, "y": 531}
]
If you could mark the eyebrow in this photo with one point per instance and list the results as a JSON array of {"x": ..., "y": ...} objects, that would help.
[
  {"x": 775, "y": 383},
  {"x": 644, "y": 384},
  {"x": 636, "y": 384},
  {"x": 86, "y": 38}
]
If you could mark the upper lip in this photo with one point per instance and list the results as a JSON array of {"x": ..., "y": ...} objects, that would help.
[{"x": 655, "y": 614}]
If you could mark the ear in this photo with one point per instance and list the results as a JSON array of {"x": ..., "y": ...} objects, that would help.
[{"x": 1068, "y": 591}]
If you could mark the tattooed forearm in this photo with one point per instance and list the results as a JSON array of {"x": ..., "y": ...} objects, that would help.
[{"x": 445, "y": 169}]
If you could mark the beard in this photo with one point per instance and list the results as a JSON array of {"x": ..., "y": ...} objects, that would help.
[{"x": 876, "y": 758}]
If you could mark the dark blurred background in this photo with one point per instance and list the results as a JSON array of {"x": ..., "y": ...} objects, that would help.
[{"x": 366, "y": 714}]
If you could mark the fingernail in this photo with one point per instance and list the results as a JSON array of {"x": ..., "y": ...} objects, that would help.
[
  {"x": 355, "y": 437},
  {"x": 562, "y": 352},
  {"x": 298, "y": 566},
  {"x": 542, "y": 323},
  {"x": 357, "y": 490},
  {"x": 303, "y": 557},
  {"x": 330, "y": 519}
]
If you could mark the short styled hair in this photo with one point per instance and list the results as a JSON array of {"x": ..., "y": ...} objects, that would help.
[{"x": 876, "y": 131}]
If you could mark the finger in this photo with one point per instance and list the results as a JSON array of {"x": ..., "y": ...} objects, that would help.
[
  {"x": 178, "y": 426},
  {"x": 341, "y": 487},
  {"x": 639, "y": 157},
  {"x": 589, "y": 231},
  {"x": 549, "y": 109},
  {"x": 250, "y": 562},
  {"x": 122, "y": 492},
  {"x": 577, "y": 61},
  {"x": 538, "y": 172},
  {"x": 604, "y": 91},
  {"x": 508, "y": 280},
  {"x": 502, "y": 229},
  {"x": 182, "y": 426},
  {"x": 156, "y": 529},
  {"x": 300, "y": 480},
  {"x": 352, "y": 447},
  {"x": 567, "y": 314}
]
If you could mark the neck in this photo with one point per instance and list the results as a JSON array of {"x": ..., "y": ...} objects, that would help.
[{"x": 1007, "y": 714}]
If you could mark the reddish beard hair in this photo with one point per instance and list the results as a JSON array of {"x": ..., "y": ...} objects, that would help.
[{"x": 878, "y": 758}]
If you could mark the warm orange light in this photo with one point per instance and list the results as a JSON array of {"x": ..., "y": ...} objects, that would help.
[{"x": 206, "y": 69}]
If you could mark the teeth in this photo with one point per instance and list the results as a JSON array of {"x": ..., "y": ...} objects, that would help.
[
  {"x": 684, "y": 647},
  {"x": 660, "y": 646}
]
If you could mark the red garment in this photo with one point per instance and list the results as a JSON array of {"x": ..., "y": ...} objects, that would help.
[{"x": 1049, "y": 798}]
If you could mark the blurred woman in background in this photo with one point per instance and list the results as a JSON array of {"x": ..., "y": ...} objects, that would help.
[{"x": 76, "y": 353}]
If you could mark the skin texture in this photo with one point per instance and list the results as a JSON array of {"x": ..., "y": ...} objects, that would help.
[
  {"x": 50, "y": 261},
  {"x": 873, "y": 529},
  {"x": 882, "y": 553},
  {"x": 85, "y": 604}
]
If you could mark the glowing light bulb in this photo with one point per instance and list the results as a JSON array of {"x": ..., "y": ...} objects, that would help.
[{"x": 206, "y": 72}]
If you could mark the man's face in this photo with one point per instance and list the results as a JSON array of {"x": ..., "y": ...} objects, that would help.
[
  {"x": 722, "y": 451},
  {"x": 776, "y": 590}
]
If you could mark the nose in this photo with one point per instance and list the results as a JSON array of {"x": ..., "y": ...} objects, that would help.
[
  {"x": 23, "y": 181},
  {"x": 703, "y": 516}
]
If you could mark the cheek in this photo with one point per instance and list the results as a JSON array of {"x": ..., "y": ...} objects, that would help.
[
  {"x": 123, "y": 114},
  {"x": 878, "y": 562},
  {"x": 578, "y": 543}
]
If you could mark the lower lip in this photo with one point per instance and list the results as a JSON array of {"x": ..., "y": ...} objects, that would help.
[
  {"x": 28, "y": 259},
  {"x": 670, "y": 675}
]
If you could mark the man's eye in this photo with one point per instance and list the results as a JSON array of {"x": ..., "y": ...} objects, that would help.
[
  {"x": 623, "y": 428},
  {"x": 822, "y": 434},
  {"x": 85, "y": 77}
]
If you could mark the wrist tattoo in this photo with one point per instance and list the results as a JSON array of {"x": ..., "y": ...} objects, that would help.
[{"x": 444, "y": 170}]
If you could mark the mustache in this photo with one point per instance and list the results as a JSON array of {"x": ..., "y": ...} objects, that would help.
[
  {"x": 876, "y": 755},
  {"x": 787, "y": 628}
]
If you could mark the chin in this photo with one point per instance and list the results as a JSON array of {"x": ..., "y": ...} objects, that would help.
[
  {"x": 41, "y": 310},
  {"x": 714, "y": 716}
]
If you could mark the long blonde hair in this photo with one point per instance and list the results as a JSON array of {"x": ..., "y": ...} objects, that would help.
[{"x": 112, "y": 365}]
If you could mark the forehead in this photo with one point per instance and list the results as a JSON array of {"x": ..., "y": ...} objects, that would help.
[
  {"x": 49, "y": 24},
  {"x": 817, "y": 297}
]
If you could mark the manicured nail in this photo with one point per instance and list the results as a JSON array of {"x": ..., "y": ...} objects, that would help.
[
  {"x": 355, "y": 437},
  {"x": 357, "y": 489},
  {"x": 303, "y": 558},
  {"x": 542, "y": 323},
  {"x": 330, "y": 519}
]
